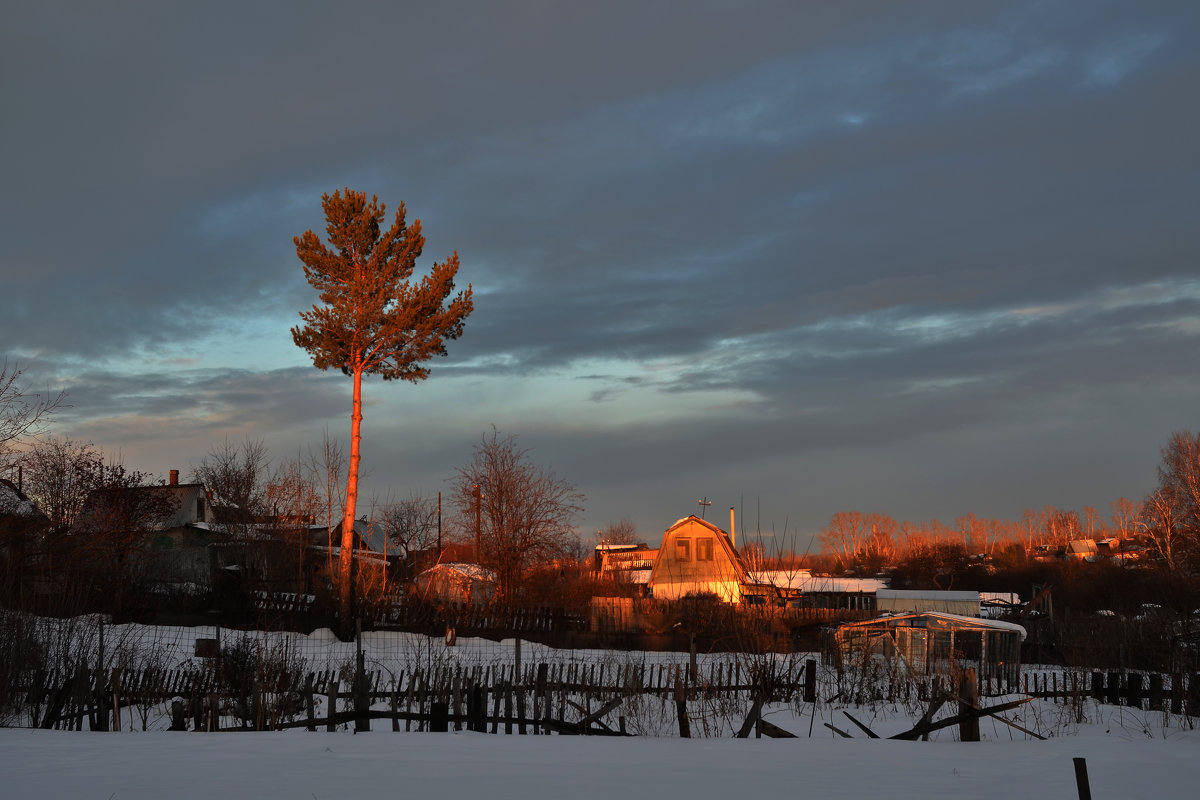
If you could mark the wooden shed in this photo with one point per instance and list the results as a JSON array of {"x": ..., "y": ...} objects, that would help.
[{"x": 933, "y": 643}]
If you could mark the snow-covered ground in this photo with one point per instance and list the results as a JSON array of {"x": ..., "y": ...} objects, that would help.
[
  {"x": 1129, "y": 753},
  {"x": 296, "y": 764}
]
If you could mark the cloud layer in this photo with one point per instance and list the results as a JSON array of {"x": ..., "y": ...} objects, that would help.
[{"x": 925, "y": 259}]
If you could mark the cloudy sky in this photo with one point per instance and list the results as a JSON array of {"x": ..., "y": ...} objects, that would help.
[{"x": 922, "y": 258}]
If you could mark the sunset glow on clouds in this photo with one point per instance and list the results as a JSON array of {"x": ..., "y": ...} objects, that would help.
[{"x": 924, "y": 259}]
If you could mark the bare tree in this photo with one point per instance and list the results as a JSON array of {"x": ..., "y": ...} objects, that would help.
[
  {"x": 1125, "y": 515},
  {"x": 844, "y": 535},
  {"x": 1172, "y": 512},
  {"x": 294, "y": 504},
  {"x": 237, "y": 474},
  {"x": 520, "y": 513},
  {"x": 22, "y": 414},
  {"x": 56, "y": 477},
  {"x": 326, "y": 468},
  {"x": 411, "y": 524},
  {"x": 108, "y": 540},
  {"x": 1162, "y": 523},
  {"x": 623, "y": 532}
]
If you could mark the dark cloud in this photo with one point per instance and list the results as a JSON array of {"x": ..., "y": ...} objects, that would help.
[{"x": 865, "y": 236}]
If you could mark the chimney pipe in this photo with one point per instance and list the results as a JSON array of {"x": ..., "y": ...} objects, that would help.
[
  {"x": 174, "y": 477},
  {"x": 732, "y": 539}
]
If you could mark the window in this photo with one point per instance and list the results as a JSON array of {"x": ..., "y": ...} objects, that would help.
[
  {"x": 683, "y": 549},
  {"x": 704, "y": 549}
]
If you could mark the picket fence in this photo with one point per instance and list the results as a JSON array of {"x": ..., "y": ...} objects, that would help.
[{"x": 537, "y": 698}]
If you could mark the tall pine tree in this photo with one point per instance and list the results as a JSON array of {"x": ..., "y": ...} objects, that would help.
[{"x": 374, "y": 321}]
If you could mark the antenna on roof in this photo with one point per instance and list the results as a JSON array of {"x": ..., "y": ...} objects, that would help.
[{"x": 704, "y": 504}]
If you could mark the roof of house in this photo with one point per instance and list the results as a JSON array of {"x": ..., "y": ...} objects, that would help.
[{"x": 14, "y": 502}]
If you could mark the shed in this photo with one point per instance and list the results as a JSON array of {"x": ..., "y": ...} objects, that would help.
[{"x": 933, "y": 643}]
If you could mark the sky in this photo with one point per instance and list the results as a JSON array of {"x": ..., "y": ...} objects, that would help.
[{"x": 922, "y": 259}]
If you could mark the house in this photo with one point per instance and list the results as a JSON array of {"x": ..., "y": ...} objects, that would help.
[
  {"x": 624, "y": 563},
  {"x": 932, "y": 643},
  {"x": 905, "y": 601},
  {"x": 1083, "y": 549},
  {"x": 22, "y": 530},
  {"x": 697, "y": 557},
  {"x": 156, "y": 534}
]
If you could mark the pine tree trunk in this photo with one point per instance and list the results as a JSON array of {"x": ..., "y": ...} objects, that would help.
[{"x": 345, "y": 574}]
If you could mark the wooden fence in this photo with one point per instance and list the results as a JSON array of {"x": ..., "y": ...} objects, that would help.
[
  {"x": 1177, "y": 693},
  {"x": 536, "y": 698}
]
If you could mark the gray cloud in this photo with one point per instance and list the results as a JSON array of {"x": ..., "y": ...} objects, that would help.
[{"x": 867, "y": 235}]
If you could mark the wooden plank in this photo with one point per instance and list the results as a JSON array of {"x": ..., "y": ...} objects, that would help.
[
  {"x": 774, "y": 731},
  {"x": 840, "y": 732},
  {"x": 870, "y": 733}
]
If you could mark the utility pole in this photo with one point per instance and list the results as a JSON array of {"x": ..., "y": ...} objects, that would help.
[
  {"x": 704, "y": 504},
  {"x": 478, "y": 525}
]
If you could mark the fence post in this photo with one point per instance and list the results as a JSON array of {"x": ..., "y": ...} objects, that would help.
[
  {"x": 360, "y": 690},
  {"x": 116, "y": 699},
  {"x": 476, "y": 709},
  {"x": 1081, "y": 779},
  {"x": 810, "y": 681},
  {"x": 197, "y": 711},
  {"x": 968, "y": 729},
  {"x": 396, "y": 702},
  {"x": 330, "y": 721},
  {"x": 1114, "y": 689},
  {"x": 539, "y": 695},
  {"x": 1133, "y": 691},
  {"x": 439, "y": 717},
  {"x": 508, "y": 706},
  {"x": 685, "y": 728},
  {"x": 310, "y": 702},
  {"x": 178, "y": 723}
]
